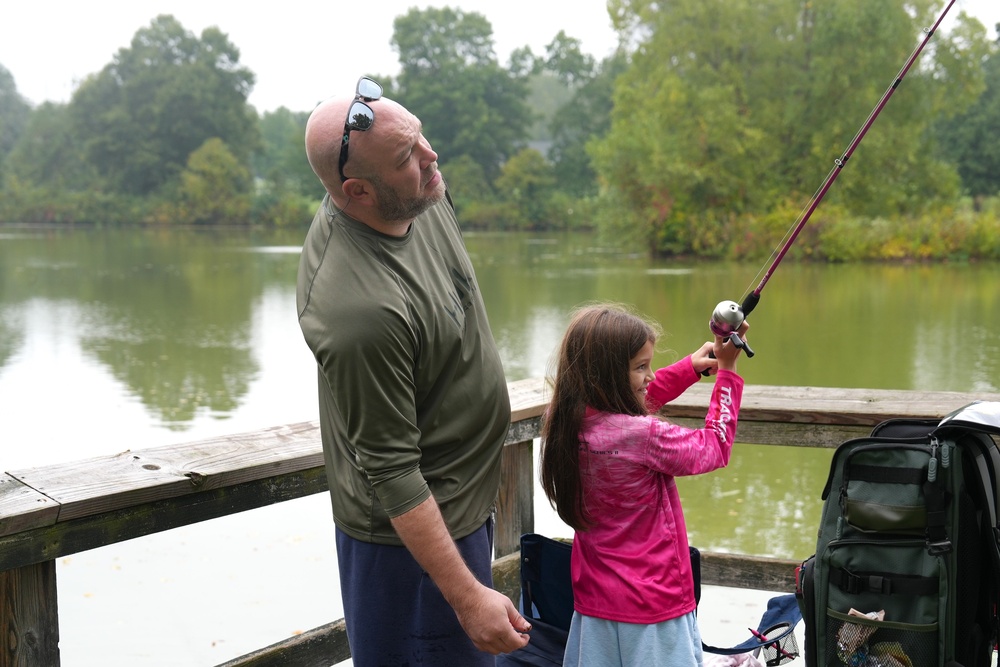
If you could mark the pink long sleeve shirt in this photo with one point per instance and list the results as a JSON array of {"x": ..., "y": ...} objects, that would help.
[{"x": 633, "y": 565}]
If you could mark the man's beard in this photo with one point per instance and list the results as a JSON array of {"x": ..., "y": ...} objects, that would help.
[{"x": 393, "y": 208}]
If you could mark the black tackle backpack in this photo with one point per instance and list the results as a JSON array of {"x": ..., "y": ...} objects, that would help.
[{"x": 907, "y": 565}]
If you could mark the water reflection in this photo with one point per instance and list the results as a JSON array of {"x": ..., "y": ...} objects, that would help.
[
  {"x": 167, "y": 315},
  {"x": 117, "y": 336},
  {"x": 11, "y": 334}
]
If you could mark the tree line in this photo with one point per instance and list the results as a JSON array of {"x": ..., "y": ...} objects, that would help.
[{"x": 704, "y": 133}]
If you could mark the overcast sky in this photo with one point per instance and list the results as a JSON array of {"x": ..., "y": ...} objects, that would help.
[{"x": 300, "y": 51}]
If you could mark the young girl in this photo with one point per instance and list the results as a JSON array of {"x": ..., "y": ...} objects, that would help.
[{"x": 608, "y": 467}]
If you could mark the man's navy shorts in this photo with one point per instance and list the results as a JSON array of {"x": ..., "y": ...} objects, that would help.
[{"x": 395, "y": 614}]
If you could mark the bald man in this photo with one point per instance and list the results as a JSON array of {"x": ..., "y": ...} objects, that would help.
[{"x": 412, "y": 394}]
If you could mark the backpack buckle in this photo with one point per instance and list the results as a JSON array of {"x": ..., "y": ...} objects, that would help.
[{"x": 938, "y": 548}]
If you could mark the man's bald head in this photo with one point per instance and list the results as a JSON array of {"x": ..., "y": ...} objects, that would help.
[
  {"x": 324, "y": 134},
  {"x": 390, "y": 175}
]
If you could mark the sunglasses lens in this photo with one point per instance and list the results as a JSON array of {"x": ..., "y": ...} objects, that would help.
[
  {"x": 360, "y": 117},
  {"x": 368, "y": 89}
]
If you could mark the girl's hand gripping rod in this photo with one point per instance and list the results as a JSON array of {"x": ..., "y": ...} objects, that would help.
[{"x": 729, "y": 315}]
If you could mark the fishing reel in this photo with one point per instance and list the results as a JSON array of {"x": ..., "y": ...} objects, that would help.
[{"x": 726, "y": 321}]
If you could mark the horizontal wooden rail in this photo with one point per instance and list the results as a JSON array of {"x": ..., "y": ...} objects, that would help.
[
  {"x": 57, "y": 510},
  {"x": 65, "y": 508}
]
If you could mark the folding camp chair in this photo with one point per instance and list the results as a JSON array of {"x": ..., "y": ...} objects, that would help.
[{"x": 547, "y": 601}]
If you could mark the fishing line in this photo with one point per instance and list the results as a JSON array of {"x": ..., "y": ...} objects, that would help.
[
  {"x": 784, "y": 239},
  {"x": 729, "y": 315}
]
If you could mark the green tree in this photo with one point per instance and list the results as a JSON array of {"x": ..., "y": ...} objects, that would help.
[
  {"x": 680, "y": 120},
  {"x": 523, "y": 63},
  {"x": 970, "y": 139},
  {"x": 214, "y": 187},
  {"x": 730, "y": 107},
  {"x": 281, "y": 160},
  {"x": 14, "y": 112},
  {"x": 48, "y": 152},
  {"x": 565, "y": 57},
  {"x": 894, "y": 171},
  {"x": 450, "y": 79},
  {"x": 467, "y": 178},
  {"x": 584, "y": 118},
  {"x": 526, "y": 182},
  {"x": 158, "y": 101}
]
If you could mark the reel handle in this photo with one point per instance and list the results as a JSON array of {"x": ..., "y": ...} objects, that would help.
[{"x": 740, "y": 343}]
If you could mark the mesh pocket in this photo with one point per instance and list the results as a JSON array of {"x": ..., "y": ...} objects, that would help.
[
  {"x": 784, "y": 649},
  {"x": 859, "y": 642}
]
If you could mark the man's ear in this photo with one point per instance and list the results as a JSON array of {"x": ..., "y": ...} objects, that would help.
[{"x": 359, "y": 190}]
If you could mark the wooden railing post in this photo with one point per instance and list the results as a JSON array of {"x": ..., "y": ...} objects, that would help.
[
  {"x": 29, "y": 616},
  {"x": 516, "y": 500}
]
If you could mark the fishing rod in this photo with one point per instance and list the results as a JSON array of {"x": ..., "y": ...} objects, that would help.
[{"x": 729, "y": 315}]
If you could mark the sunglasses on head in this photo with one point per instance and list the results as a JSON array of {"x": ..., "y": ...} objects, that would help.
[{"x": 359, "y": 117}]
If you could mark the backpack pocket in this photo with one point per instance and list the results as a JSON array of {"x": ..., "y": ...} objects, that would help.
[
  {"x": 896, "y": 587},
  {"x": 883, "y": 489}
]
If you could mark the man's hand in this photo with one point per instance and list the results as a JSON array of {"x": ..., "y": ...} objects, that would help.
[
  {"x": 488, "y": 617},
  {"x": 491, "y": 621}
]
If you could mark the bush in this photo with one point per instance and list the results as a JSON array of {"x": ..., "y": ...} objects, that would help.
[
  {"x": 284, "y": 210},
  {"x": 984, "y": 232},
  {"x": 484, "y": 215}
]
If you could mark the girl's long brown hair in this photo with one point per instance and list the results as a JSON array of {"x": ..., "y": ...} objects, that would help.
[{"x": 592, "y": 370}]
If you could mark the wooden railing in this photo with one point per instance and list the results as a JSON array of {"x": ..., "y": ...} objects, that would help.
[{"x": 50, "y": 512}]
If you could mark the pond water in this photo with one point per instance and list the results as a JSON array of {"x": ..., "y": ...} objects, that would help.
[{"x": 127, "y": 339}]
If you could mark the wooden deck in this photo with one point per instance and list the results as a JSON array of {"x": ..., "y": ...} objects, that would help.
[{"x": 53, "y": 511}]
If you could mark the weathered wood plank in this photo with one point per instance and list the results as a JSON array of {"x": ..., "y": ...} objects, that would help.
[
  {"x": 528, "y": 398},
  {"x": 89, "y": 532},
  {"x": 29, "y": 617},
  {"x": 810, "y": 416},
  {"x": 36, "y": 497},
  {"x": 507, "y": 576},
  {"x": 756, "y": 572},
  {"x": 22, "y": 507},
  {"x": 525, "y": 429},
  {"x": 787, "y": 405},
  {"x": 826, "y": 405},
  {"x": 797, "y": 435},
  {"x": 104, "y": 489},
  {"x": 319, "y": 647},
  {"x": 108, "y": 483},
  {"x": 792, "y": 435},
  {"x": 131, "y": 485}
]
